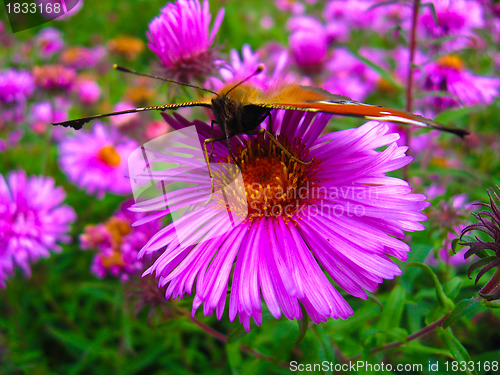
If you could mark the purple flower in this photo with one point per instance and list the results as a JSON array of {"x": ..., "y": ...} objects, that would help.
[
  {"x": 350, "y": 76},
  {"x": 339, "y": 217},
  {"x": 352, "y": 13},
  {"x": 16, "y": 86},
  {"x": 49, "y": 42},
  {"x": 118, "y": 244},
  {"x": 54, "y": 77},
  {"x": 449, "y": 74},
  {"x": 181, "y": 38},
  {"x": 308, "y": 41},
  {"x": 452, "y": 217},
  {"x": 97, "y": 161},
  {"x": 244, "y": 66},
  {"x": 88, "y": 91},
  {"x": 44, "y": 113},
  {"x": 454, "y": 18},
  {"x": 32, "y": 221},
  {"x": 82, "y": 57}
]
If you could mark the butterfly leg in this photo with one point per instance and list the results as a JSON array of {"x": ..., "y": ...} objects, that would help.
[
  {"x": 278, "y": 143},
  {"x": 212, "y": 138},
  {"x": 207, "y": 160}
]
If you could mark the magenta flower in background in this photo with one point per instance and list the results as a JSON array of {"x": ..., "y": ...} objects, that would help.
[
  {"x": 400, "y": 55},
  {"x": 88, "y": 91},
  {"x": 16, "y": 86},
  {"x": 308, "y": 41},
  {"x": 54, "y": 77},
  {"x": 118, "y": 244},
  {"x": 127, "y": 120},
  {"x": 82, "y": 57},
  {"x": 352, "y": 13},
  {"x": 181, "y": 37},
  {"x": 97, "y": 160},
  {"x": 339, "y": 217},
  {"x": 49, "y": 42},
  {"x": 32, "y": 221},
  {"x": 350, "y": 76},
  {"x": 451, "y": 214},
  {"x": 455, "y": 18},
  {"x": 244, "y": 66},
  {"x": 449, "y": 74},
  {"x": 42, "y": 114}
]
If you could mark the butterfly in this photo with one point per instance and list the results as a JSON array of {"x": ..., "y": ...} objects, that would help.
[{"x": 240, "y": 109}]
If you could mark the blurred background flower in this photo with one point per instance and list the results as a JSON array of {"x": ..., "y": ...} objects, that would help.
[{"x": 33, "y": 221}]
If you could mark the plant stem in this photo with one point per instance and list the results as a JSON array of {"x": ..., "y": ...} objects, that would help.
[{"x": 424, "y": 331}]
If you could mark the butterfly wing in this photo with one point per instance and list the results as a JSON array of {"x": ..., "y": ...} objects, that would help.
[
  {"x": 78, "y": 123},
  {"x": 304, "y": 98}
]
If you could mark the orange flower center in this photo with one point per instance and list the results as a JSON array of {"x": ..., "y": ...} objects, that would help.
[
  {"x": 127, "y": 46},
  {"x": 108, "y": 155},
  {"x": 451, "y": 61},
  {"x": 118, "y": 228},
  {"x": 115, "y": 259},
  {"x": 275, "y": 184}
]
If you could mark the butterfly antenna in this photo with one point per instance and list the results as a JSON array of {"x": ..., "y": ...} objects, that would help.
[
  {"x": 259, "y": 70},
  {"x": 126, "y": 70}
]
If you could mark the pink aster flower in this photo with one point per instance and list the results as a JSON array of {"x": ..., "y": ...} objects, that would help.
[
  {"x": 454, "y": 18},
  {"x": 350, "y": 76},
  {"x": 32, "y": 221},
  {"x": 82, "y": 57},
  {"x": 54, "y": 77},
  {"x": 16, "y": 86},
  {"x": 181, "y": 38},
  {"x": 97, "y": 160},
  {"x": 42, "y": 114},
  {"x": 88, "y": 91},
  {"x": 127, "y": 120},
  {"x": 449, "y": 74},
  {"x": 339, "y": 217},
  {"x": 244, "y": 66},
  {"x": 353, "y": 13},
  {"x": 452, "y": 215},
  {"x": 308, "y": 41},
  {"x": 49, "y": 42},
  {"x": 118, "y": 244}
]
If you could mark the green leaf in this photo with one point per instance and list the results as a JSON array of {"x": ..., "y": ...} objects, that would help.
[
  {"x": 456, "y": 348},
  {"x": 71, "y": 338},
  {"x": 416, "y": 347},
  {"x": 454, "y": 114},
  {"x": 444, "y": 301},
  {"x": 234, "y": 357},
  {"x": 463, "y": 308},
  {"x": 393, "y": 309},
  {"x": 433, "y": 11}
]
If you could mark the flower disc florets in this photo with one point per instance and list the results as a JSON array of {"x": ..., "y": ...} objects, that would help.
[{"x": 276, "y": 184}]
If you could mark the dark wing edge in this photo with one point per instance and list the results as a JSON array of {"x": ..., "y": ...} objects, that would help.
[{"x": 78, "y": 123}]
